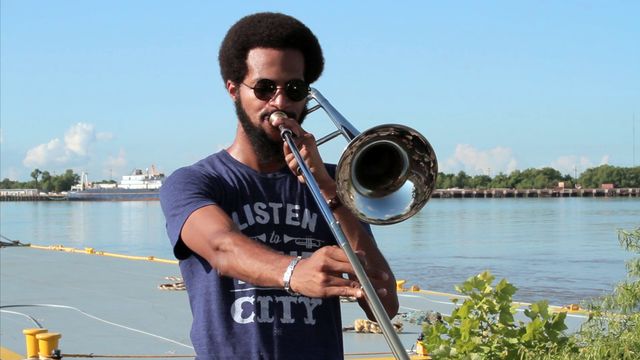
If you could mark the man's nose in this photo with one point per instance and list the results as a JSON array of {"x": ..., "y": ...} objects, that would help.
[{"x": 279, "y": 99}]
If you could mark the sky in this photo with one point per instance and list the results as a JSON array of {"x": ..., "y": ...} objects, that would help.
[{"x": 105, "y": 87}]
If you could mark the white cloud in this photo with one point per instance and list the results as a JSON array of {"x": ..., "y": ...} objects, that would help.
[
  {"x": 78, "y": 138},
  {"x": 51, "y": 152},
  {"x": 73, "y": 149},
  {"x": 572, "y": 164},
  {"x": 474, "y": 161}
]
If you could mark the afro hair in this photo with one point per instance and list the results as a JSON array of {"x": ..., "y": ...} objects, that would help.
[{"x": 268, "y": 30}]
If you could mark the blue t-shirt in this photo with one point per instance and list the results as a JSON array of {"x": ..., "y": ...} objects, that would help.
[{"x": 237, "y": 320}]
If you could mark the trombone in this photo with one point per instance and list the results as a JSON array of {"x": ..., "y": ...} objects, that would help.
[{"x": 385, "y": 175}]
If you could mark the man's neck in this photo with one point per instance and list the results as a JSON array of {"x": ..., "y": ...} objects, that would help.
[{"x": 243, "y": 151}]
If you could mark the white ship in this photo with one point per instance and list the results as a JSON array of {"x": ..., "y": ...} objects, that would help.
[{"x": 140, "y": 185}]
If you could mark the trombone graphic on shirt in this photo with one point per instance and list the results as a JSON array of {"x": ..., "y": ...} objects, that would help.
[{"x": 307, "y": 242}]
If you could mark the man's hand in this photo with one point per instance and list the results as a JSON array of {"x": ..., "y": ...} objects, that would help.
[
  {"x": 321, "y": 275},
  {"x": 308, "y": 149}
]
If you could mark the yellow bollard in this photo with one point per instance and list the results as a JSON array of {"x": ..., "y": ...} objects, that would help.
[
  {"x": 47, "y": 342},
  {"x": 420, "y": 349},
  {"x": 32, "y": 342}
]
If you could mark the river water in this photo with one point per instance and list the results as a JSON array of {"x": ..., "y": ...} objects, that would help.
[{"x": 560, "y": 249}]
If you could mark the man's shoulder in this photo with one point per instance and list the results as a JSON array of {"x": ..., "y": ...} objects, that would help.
[
  {"x": 204, "y": 167},
  {"x": 196, "y": 175}
]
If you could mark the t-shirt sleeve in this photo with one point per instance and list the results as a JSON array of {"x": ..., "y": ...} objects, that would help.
[{"x": 183, "y": 192}]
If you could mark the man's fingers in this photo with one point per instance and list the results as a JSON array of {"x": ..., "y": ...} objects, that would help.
[
  {"x": 345, "y": 266},
  {"x": 347, "y": 291},
  {"x": 337, "y": 267},
  {"x": 289, "y": 123},
  {"x": 337, "y": 261},
  {"x": 339, "y": 286},
  {"x": 352, "y": 288},
  {"x": 333, "y": 263}
]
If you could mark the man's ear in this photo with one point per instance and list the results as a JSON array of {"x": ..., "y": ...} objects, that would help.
[{"x": 233, "y": 89}]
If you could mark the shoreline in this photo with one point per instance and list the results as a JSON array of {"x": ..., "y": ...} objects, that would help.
[
  {"x": 437, "y": 194},
  {"x": 533, "y": 193}
]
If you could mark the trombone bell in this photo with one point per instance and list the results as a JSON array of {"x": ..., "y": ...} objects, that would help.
[{"x": 386, "y": 174}]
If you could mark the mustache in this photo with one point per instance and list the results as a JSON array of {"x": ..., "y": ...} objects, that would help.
[{"x": 290, "y": 114}]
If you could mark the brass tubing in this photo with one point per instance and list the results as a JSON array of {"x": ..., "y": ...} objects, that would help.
[{"x": 370, "y": 294}]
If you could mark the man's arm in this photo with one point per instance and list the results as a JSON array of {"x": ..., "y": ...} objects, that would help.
[{"x": 211, "y": 233}]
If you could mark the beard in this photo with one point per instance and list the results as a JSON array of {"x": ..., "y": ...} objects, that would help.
[{"x": 267, "y": 149}]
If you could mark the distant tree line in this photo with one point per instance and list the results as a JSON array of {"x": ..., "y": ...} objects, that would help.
[
  {"x": 44, "y": 181},
  {"x": 545, "y": 178}
]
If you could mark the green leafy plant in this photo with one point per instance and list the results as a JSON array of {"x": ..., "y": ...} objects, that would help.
[{"x": 483, "y": 327}]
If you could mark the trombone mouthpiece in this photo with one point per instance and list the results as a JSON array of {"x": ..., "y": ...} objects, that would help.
[{"x": 277, "y": 115}]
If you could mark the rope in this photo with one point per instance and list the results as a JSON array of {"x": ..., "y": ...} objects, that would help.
[
  {"x": 190, "y": 356},
  {"x": 5, "y": 238},
  {"x": 37, "y": 324},
  {"x": 92, "y": 251},
  {"x": 101, "y": 320},
  {"x": 10, "y": 242},
  {"x": 176, "y": 286},
  {"x": 127, "y": 356},
  {"x": 87, "y": 250}
]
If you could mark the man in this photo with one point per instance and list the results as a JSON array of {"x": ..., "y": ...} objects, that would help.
[{"x": 261, "y": 267}]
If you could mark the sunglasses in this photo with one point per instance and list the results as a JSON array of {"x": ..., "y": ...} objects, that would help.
[{"x": 265, "y": 89}]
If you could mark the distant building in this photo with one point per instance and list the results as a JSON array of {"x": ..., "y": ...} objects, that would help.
[
  {"x": 561, "y": 185},
  {"x": 607, "y": 186},
  {"x": 18, "y": 192}
]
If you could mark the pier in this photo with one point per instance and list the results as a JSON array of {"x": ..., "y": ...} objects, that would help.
[
  {"x": 29, "y": 195},
  {"x": 533, "y": 193},
  {"x": 32, "y": 197}
]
